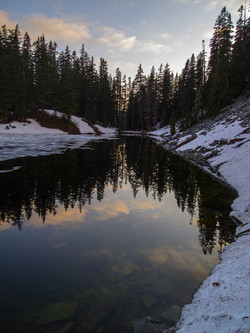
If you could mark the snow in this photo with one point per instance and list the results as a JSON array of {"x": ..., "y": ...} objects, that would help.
[
  {"x": 106, "y": 130},
  {"x": 222, "y": 303},
  {"x": 80, "y": 123},
  {"x": 164, "y": 131},
  {"x": 83, "y": 125},
  {"x": 231, "y": 160},
  {"x": 22, "y": 145},
  {"x": 219, "y": 131},
  {"x": 20, "y": 139},
  {"x": 30, "y": 127}
]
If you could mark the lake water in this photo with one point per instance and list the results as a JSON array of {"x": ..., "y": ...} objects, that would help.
[{"x": 93, "y": 239}]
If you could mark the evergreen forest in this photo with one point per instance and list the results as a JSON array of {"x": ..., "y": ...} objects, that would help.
[{"x": 36, "y": 76}]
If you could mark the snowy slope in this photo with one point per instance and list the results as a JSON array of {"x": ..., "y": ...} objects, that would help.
[
  {"x": 33, "y": 127},
  {"x": 222, "y": 304},
  {"x": 84, "y": 126},
  {"x": 30, "y": 127},
  {"x": 20, "y": 139}
]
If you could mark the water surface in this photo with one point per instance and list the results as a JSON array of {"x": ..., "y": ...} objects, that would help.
[{"x": 94, "y": 238}]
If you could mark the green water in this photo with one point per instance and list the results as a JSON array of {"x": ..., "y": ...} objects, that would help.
[{"x": 93, "y": 239}]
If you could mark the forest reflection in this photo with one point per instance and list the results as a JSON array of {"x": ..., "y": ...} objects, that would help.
[{"x": 74, "y": 178}]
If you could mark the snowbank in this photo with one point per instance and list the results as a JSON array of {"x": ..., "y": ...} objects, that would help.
[
  {"x": 30, "y": 127},
  {"x": 106, "y": 130},
  {"x": 20, "y": 139},
  {"x": 33, "y": 127},
  {"x": 222, "y": 304},
  {"x": 83, "y": 126}
]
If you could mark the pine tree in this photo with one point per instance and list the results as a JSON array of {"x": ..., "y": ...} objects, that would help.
[
  {"x": 15, "y": 71},
  {"x": 43, "y": 84},
  {"x": 125, "y": 90},
  {"x": 117, "y": 96},
  {"x": 131, "y": 124},
  {"x": 199, "y": 109},
  {"x": 53, "y": 76},
  {"x": 140, "y": 96},
  {"x": 68, "y": 96},
  {"x": 166, "y": 102},
  {"x": 150, "y": 107},
  {"x": 5, "y": 88},
  {"x": 84, "y": 62},
  {"x": 219, "y": 66},
  {"x": 91, "y": 89},
  {"x": 104, "y": 102},
  {"x": 28, "y": 72},
  {"x": 240, "y": 56}
]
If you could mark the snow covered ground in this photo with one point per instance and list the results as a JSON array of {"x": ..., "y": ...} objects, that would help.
[
  {"x": 222, "y": 303},
  {"x": 32, "y": 127},
  {"x": 20, "y": 139}
]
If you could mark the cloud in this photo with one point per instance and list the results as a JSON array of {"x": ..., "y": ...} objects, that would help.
[
  {"x": 232, "y": 5},
  {"x": 165, "y": 36},
  {"x": 5, "y": 19},
  {"x": 177, "y": 257},
  {"x": 116, "y": 40},
  {"x": 108, "y": 210},
  {"x": 211, "y": 5},
  {"x": 72, "y": 215},
  {"x": 56, "y": 29},
  {"x": 131, "y": 4},
  {"x": 149, "y": 46},
  {"x": 188, "y": 1},
  {"x": 208, "y": 34},
  {"x": 5, "y": 225}
]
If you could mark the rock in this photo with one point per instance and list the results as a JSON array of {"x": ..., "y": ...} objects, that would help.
[
  {"x": 172, "y": 313},
  {"x": 203, "y": 150},
  {"x": 154, "y": 328},
  {"x": 170, "y": 330},
  {"x": 223, "y": 142},
  {"x": 56, "y": 312},
  {"x": 138, "y": 325},
  {"x": 149, "y": 325},
  {"x": 65, "y": 328},
  {"x": 213, "y": 154},
  {"x": 214, "y": 143}
]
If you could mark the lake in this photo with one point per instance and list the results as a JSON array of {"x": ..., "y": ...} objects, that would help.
[{"x": 94, "y": 239}]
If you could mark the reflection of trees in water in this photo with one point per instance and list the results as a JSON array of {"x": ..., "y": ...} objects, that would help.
[{"x": 76, "y": 176}]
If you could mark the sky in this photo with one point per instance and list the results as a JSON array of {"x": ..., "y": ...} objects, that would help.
[{"x": 126, "y": 33}]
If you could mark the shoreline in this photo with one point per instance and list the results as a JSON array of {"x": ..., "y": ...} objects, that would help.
[{"x": 221, "y": 148}]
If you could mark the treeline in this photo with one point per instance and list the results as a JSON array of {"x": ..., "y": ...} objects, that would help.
[
  {"x": 203, "y": 88},
  {"x": 37, "y": 76}
]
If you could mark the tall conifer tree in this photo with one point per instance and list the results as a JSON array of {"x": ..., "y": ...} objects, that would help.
[{"x": 219, "y": 66}]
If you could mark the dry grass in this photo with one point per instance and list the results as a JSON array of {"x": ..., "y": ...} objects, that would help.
[{"x": 46, "y": 120}]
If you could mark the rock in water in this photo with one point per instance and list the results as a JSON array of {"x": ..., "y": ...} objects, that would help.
[
  {"x": 172, "y": 313},
  {"x": 55, "y": 312}
]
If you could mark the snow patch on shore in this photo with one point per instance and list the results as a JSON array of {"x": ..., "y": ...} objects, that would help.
[
  {"x": 21, "y": 139},
  {"x": 33, "y": 127},
  {"x": 30, "y": 127},
  {"x": 222, "y": 303}
]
